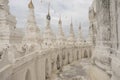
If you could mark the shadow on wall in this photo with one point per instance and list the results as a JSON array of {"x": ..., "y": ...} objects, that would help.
[
  {"x": 47, "y": 70},
  {"x": 85, "y": 54},
  {"x": 58, "y": 62},
  {"x": 28, "y": 75}
]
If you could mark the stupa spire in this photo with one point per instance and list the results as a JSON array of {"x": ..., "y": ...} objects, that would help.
[
  {"x": 71, "y": 29},
  {"x": 61, "y": 33},
  {"x": 31, "y": 17},
  {"x": 48, "y": 35},
  {"x": 61, "y": 37},
  {"x": 80, "y": 33},
  {"x": 32, "y": 31},
  {"x": 71, "y": 38},
  {"x": 48, "y": 18}
]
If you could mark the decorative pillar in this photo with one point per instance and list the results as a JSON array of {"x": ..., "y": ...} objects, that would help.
[
  {"x": 71, "y": 38},
  {"x": 48, "y": 36},
  {"x": 32, "y": 35},
  {"x": 61, "y": 36},
  {"x": 80, "y": 38},
  {"x": 7, "y": 24}
]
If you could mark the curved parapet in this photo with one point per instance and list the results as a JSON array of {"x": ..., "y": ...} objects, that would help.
[{"x": 5, "y": 66}]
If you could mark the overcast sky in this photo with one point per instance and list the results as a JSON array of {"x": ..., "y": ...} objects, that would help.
[{"x": 77, "y": 9}]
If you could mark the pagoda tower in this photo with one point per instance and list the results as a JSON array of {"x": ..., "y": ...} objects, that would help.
[
  {"x": 80, "y": 38},
  {"x": 71, "y": 38},
  {"x": 32, "y": 35},
  {"x": 48, "y": 36},
  {"x": 61, "y": 36}
]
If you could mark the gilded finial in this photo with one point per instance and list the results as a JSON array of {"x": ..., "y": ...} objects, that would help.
[{"x": 30, "y": 5}]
